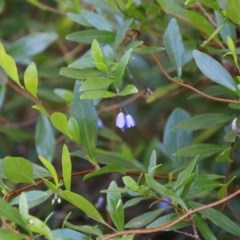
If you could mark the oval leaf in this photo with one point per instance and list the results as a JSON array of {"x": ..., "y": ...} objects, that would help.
[
  {"x": 214, "y": 70},
  {"x": 31, "y": 79}
]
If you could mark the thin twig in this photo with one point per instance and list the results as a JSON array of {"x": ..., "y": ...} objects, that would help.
[
  {"x": 165, "y": 73},
  {"x": 172, "y": 223}
]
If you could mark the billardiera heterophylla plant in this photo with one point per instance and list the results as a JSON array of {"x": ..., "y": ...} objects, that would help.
[{"x": 124, "y": 121}]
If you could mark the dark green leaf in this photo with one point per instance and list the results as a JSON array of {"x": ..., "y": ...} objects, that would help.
[
  {"x": 85, "y": 113},
  {"x": 10, "y": 213},
  {"x": 87, "y": 36},
  {"x": 174, "y": 140},
  {"x": 96, "y": 94},
  {"x": 7, "y": 234},
  {"x": 148, "y": 50},
  {"x": 174, "y": 45},
  {"x": 203, "y": 121},
  {"x": 95, "y": 84},
  {"x": 68, "y": 234},
  {"x": 203, "y": 227},
  {"x": 219, "y": 219},
  {"x": 44, "y": 138},
  {"x": 214, "y": 70},
  {"x": 144, "y": 219},
  {"x": 18, "y": 170},
  {"x": 82, "y": 203},
  {"x": 202, "y": 150}
]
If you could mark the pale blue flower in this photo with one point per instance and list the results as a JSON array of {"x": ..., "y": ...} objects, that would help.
[
  {"x": 235, "y": 128},
  {"x": 100, "y": 123},
  {"x": 124, "y": 122}
]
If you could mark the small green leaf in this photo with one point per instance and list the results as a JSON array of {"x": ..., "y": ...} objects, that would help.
[
  {"x": 50, "y": 168},
  {"x": 44, "y": 138},
  {"x": 64, "y": 94},
  {"x": 96, "y": 94},
  {"x": 130, "y": 183},
  {"x": 2, "y": 92},
  {"x": 31, "y": 79},
  {"x": 115, "y": 206},
  {"x": 66, "y": 167},
  {"x": 60, "y": 122},
  {"x": 98, "y": 58},
  {"x": 87, "y": 36},
  {"x": 174, "y": 45},
  {"x": 73, "y": 129},
  {"x": 23, "y": 206},
  {"x": 18, "y": 170},
  {"x": 9, "y": 65},
  {"x": 214, "y": 70},
  {"x": 82, "y": 203},
  {"x": 120, "y": 68},
  {"x": 202, "y": 150},
  {"x": 144, "y": 219},
  {"x": 129, "y": 89}
]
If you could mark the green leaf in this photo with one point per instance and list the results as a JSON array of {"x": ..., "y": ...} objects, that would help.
[
  {"x": 2, "y": 92},
  {"x": 87, "y": 36},
  {"x": 23, "y": 206},
  {"x": 83, "y": 204},
  {"x": 144, "y": 219},
  {"x": 203, "y": 227},
  {"x": 66, "y": 168},
  {"x": 37, "y": 226},
  {"x": 68, "y": 234},
  {"x": 129, "y": 89},
  {"x": 185, "y": 179},
  {"x": 24, "y": 48},
  {"x": 152, "y": 164},
  {"x": 96, "y": 94},
  {"x": 163, "y": 191},
  {"x": 115, "y": 206},
  {"x": 31, "y": 79},
  {"x": 10, "y": 213},
  {"x": 167, "y": 219},
  {"x": 64, "y": 94},
  {"x": 219, "y": 219},
  {"x": 85, "y": 229},
  {"x": 9, "y": 65},
  {"x": 202, "y": 150},
  {"x": 148, "y": 50},
  {"x": 203, "y": 121},
  {"x": 18, "y": 170},
  {"x": 120, "y": 68},
  {"x": 44, "y": 138},
  {"x": 214, "y": 70},
  {"x": 60, "y": 122},
  {"x": 50, "y": 168},
  {"x": 174, "y": 45},
  {"x": 95, "y": 84},
  {"x": 86, "y": 116},
  {"x": 73, "y": 129},
  {"x": 34, "y": 198},
  {"x": 80, "y": 73},
  {"x": 96, "y": 20},
  {"x": 105, "y": 170},
  {"x": 98, "y": 58},
  {"x": 232, "y": 11},
  {"x": 130, "y": 183},
  {"x": 8, "y": 234},
  {"x": 174, "y": 140}
]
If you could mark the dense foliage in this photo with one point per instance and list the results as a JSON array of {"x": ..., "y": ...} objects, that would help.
[{"x": 119, "y": 119}]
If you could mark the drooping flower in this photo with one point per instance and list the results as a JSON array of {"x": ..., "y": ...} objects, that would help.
[
  {"x": 100, "y": 123},
  {"x": 235, "y": 128},
  {"x": 120, "y": 121},
  {"x": 125, "y": 121},
  {"x": 130, "y": 122}
]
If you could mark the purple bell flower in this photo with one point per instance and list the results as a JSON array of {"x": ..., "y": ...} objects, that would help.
[{"x": 124, "y": 121}]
